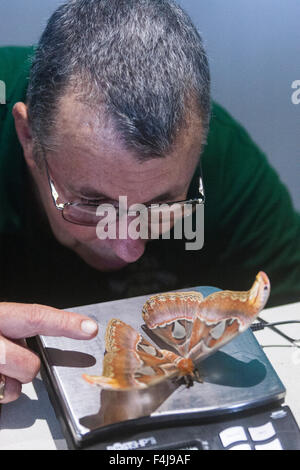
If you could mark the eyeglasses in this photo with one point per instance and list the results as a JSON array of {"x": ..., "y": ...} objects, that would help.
[{"x": 88, "y": 214}]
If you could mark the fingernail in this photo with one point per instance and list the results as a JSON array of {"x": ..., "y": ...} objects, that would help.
[{"x": 89, "y": 327}]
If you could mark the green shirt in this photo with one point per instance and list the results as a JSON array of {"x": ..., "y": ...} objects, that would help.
[{"x": 250, "y": 224}]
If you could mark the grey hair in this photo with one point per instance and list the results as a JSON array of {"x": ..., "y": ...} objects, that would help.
[{"x": 142, "y": 62}]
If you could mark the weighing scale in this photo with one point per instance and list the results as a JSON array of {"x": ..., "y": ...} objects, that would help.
[{"x": 239, "y": 405}]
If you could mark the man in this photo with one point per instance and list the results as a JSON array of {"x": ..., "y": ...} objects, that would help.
[{"x": 117, "y": 104}]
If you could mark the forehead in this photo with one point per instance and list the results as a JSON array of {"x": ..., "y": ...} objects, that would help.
[{"x": 90, "y": 151}]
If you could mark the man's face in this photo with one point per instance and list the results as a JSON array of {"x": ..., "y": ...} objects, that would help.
[{"x": 90, "y": 163}]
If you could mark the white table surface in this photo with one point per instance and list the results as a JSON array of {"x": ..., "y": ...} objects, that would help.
[{"x": 30, "y": 422}]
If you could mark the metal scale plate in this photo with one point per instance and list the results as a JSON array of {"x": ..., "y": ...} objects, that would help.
[{"x": 237, "y": 377}]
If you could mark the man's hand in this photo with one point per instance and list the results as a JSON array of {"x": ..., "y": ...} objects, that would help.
[{"x": 19, "y": 321}]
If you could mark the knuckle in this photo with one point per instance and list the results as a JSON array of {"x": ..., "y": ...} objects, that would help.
[
  {"x": 61, "y": 321},
  {"x": 64, "y": 321},
  {"x": 36, "y": 317}
]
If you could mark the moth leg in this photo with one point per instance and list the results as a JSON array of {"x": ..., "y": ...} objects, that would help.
[
  {"x": 189, "y": 382},
  {"x": 178, "y": 379},
  {"x": 198, "y": 376},
  {"x": 183, "y": 380}
]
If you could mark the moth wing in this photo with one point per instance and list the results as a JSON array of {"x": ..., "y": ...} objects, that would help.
[
  {"x": 170, "y": 316},
  {"x": 224, "y": 315},
  {"x": 131, "y": 361},
  {"x": 120, "y": 336}
]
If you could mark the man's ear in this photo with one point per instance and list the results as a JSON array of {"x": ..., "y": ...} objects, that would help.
[{"x": 20, "y": 114}]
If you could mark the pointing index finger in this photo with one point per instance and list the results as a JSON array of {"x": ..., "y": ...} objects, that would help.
[{"x": 26, "y": 320}]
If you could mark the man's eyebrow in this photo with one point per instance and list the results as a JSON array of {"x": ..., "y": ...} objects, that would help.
[{"x": 87, "y": 191}]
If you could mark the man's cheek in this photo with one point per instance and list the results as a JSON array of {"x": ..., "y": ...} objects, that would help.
[
  {"x": 85, "y": 235},
  {"x": 71, "y": 234}
]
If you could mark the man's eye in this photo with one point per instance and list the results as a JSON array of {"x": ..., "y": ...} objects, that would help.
[
  {"x": 90, "y": 202},
  {"x": 96, "y": 202}
]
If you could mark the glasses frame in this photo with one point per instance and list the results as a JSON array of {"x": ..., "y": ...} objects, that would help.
[{"x": 62, "y": 206}]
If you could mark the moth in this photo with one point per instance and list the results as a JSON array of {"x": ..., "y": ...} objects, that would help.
[{"x": 190, "y": 324}]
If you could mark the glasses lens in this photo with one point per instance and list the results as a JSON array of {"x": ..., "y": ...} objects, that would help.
[
  {"x": 84, "y": 214},
  {"x": 163, "y": 218},
  {"x": 153, "y": 221}
]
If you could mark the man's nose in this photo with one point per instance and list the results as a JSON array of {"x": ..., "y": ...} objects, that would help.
[{"x": 129, "y": 250}]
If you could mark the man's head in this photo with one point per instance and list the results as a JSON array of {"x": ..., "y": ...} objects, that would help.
[{"x": 118, "y": 103}]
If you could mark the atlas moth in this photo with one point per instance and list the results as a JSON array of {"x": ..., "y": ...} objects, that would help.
[{"x": 190, "y": 324}]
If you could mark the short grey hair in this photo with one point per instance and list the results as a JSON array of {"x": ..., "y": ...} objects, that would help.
[{"x": 140, "y": 61}]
